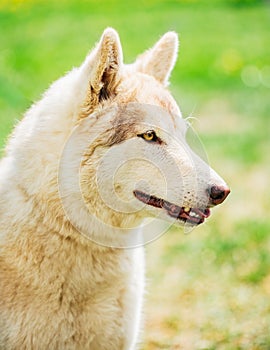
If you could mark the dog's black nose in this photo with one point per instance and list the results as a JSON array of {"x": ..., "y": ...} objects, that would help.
[{"x": 218, "y": 194}]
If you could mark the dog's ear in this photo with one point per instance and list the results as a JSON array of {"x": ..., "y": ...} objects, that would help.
[
  {"x": 160, "y": 59},
  {"x": 102, "y": 68}
]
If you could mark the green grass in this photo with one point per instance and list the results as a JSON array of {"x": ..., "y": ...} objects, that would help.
[{"x": 210, "y": 289}]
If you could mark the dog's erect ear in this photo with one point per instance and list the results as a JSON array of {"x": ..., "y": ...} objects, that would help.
[
  {"x": 160, "y": 59},
  {"x": 102, "y": 68}
]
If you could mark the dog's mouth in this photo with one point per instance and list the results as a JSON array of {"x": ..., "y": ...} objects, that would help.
[{"x": 194, "y": 216}]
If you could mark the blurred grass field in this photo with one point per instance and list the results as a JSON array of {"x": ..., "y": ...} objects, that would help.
[{"x": 209, "y": 289}]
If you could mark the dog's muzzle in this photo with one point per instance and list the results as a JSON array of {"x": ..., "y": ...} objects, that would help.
[{"x": 193, "y": 216}]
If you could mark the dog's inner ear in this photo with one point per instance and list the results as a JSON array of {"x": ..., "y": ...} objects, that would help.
[
  {"x": 103, "y": 67},
  {"x": 159, "y": 61}
]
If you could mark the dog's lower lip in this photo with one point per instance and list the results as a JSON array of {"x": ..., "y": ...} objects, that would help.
[{"x": 194, "y": 216}]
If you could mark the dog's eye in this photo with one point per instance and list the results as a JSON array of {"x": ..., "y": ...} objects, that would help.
[{"x": 149, "y": 136}]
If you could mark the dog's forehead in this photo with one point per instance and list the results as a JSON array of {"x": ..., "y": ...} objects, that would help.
[
  {"x": 147, "y": 90},
  {"x": 140, "y": 92}
]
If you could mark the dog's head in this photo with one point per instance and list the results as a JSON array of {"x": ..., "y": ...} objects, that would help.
[
  {"x": 117, "y": 138},
  {"x": 134, "y": 159}
]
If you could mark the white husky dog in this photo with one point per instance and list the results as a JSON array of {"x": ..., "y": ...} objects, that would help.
[{"x": 101, "y": 151}]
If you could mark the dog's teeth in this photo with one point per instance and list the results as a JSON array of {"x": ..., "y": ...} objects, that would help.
[
  {"x": 194, "y": 215},
  {"x": 186, "y": 209}
]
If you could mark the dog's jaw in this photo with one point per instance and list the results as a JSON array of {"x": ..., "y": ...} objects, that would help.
[{"x": 192, "y": 216}]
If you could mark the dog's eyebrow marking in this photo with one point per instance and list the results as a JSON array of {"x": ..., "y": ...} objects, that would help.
[{"x": 124, "y": 125}]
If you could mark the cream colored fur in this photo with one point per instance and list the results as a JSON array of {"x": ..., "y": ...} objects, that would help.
[{"x": 66, "y": 279}]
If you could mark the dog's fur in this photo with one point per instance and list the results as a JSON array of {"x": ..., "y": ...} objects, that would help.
[{"x": 65, "y": 281}]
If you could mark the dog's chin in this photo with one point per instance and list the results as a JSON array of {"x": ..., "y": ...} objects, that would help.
[{"x": 179, "y": 215}]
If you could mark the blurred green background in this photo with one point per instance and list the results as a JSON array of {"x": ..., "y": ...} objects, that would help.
[{"x": 209, "y": 289}]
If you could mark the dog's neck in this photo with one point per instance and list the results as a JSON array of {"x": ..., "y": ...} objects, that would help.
[
  {"x": 41, "y": 244},
  {"x": 112, "y": 230}
]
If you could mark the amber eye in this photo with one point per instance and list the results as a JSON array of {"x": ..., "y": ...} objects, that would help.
[{"x": 149, "y": 135}]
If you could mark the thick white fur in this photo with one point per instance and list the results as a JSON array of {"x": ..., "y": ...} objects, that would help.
[{"x": 58, "y": 288}]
